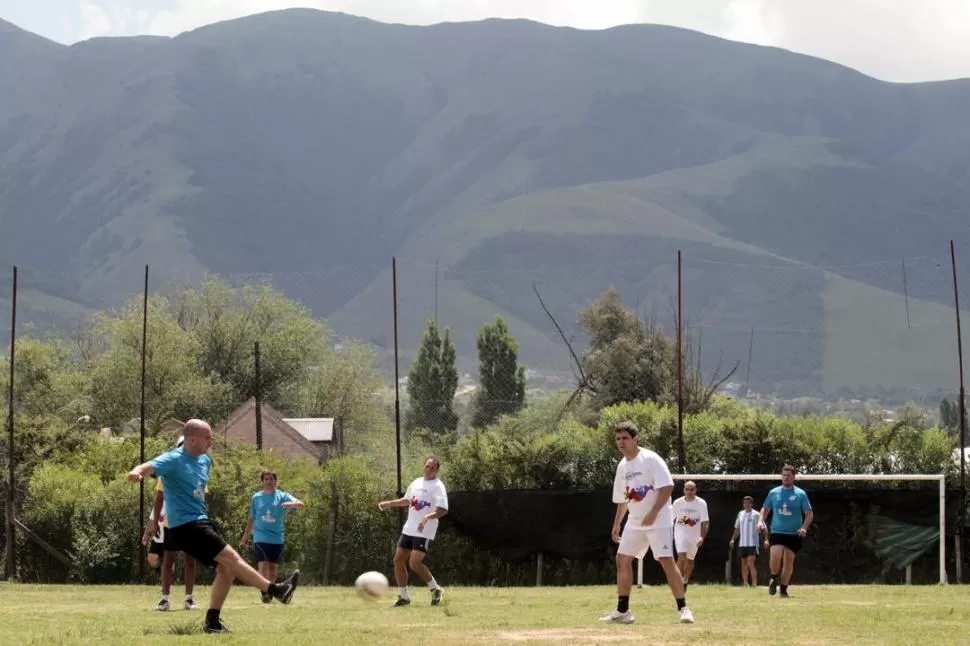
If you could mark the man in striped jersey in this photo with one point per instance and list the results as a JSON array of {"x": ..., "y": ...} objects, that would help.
[{"x": 749, "y": 528}]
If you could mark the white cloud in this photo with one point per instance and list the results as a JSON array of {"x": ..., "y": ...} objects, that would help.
[{"x": 94, "y": 20}]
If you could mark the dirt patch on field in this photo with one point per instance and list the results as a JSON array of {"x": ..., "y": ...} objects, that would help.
[{"x": 565, "y": 635}]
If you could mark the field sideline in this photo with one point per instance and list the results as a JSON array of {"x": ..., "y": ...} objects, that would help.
[{"x": 818, "y": 615}]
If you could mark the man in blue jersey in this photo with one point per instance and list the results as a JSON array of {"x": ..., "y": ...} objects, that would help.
[
  {"x": 186, "y": 472},
  {"x": 791, "y": 515},
  {"x": 749, "y": 528},
  {"x": 267, "y": 510}
]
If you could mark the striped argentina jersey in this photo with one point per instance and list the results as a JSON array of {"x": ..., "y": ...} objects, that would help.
[{"x": 747, "y": 525}]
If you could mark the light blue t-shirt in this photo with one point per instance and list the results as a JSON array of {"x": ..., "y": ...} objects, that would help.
[
  {"x": 185, "y": 478},
  {"x": 788, "y": 506},
  {"x": 267, "y": 512}
]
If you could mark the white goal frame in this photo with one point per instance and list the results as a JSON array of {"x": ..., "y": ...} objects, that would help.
[{"x": 844, "y": 477}]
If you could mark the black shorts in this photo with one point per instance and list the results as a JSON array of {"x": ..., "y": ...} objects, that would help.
[
  {"x": 416, "y": 543},
  {"x": 791, "y": 541},
  {"x": 268, "y": 552},
  {"x": 745, "y": 552},
  {"x": 199, "y": 539},
  {"x": 154, "y": 547}
]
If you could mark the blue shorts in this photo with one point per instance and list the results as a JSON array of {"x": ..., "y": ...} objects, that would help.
[{"x": 268, "y": 552}]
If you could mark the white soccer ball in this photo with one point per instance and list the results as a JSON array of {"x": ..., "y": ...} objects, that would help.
[{"x": 371, "y": 586}]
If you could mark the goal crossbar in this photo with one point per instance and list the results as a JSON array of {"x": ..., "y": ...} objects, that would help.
[{"x": 843, "y": 477}]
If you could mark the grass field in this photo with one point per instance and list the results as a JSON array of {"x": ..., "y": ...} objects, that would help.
[{"x": 816, "y": 615}]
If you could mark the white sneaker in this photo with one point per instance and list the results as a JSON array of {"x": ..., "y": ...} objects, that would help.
[
  {"x": 686, "y": 617},
  {"x": 162, "y": 606},
  {"x": 190, "y": 604},
  {"x": 617, "y": 617}
]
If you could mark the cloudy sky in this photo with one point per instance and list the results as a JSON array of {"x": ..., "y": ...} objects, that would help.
[{"x": 896, "y": 40}]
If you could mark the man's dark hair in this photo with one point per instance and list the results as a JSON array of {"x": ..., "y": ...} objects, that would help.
[
  {"x": 747, "y": 498},
  {"x": 628, "y": 427},
  {"x": 788, "y": 467},
  {"x": 437, "y": 463}
]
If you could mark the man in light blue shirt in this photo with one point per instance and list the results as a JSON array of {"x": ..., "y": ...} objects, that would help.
[
  {"x": 186, "y": 472},
  {"x": 791, "y": 515},
  {"x": 267, "y": 509}
]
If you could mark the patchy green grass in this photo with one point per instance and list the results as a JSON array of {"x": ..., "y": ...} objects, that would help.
[{"x": 815, "y": 615}]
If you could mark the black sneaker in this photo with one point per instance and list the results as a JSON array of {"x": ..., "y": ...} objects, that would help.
[
  {"x": 266, "y": 597},
  {"x": 284, "y": 591},
  {"x": 401, "y": 601},
  {"x": 772, "y": 587},
  {"x": 784, "y": 594},
  {"x": 215, "y": 628},
  {"x": 436, "y": 596}
]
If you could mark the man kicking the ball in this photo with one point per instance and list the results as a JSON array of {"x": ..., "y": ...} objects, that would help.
[
  {"x": 427, "y": 501},
  {"x": 186, "y": 472},
  {"x": 642, "y": 486}
]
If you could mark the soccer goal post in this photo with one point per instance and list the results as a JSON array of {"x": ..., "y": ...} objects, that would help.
[{"x": 842, "y": 477}]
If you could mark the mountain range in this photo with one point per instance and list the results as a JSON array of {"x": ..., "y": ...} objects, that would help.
[{"x": 813, "y": 205}]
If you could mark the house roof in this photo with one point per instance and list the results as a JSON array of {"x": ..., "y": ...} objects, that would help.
[
  {"x": 315, "y": 429},
  {"x": 271, "y": 416}
]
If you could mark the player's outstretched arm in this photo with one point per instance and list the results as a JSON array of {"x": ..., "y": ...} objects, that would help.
[
  {"x": 384, "y": 505},
  {"x": 141, "y": 472}
]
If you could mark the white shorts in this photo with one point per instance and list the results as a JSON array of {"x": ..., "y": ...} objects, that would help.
[
  {"x": 636, "y": 542},
  {"x": 686, "y": 543}
]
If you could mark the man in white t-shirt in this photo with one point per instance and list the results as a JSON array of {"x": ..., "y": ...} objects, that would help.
[
  {"x": 642, "y": 487},
  {"x": 427, "y": 501},
  {"x": 690, "y": 528}
]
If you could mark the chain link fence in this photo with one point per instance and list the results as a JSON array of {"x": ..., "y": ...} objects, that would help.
[{"x": 860, "y": 338}]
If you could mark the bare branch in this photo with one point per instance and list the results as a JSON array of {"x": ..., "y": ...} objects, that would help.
[{"x": 578, "y": 364}]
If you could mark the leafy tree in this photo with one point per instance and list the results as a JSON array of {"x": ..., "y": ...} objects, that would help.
[
  {"x": 949, "y": 415},
  {"x": 432, "y": 382},
  {"x": 175, "y": 383},
  {"x": 501, "y": 379},
  {"x": 48, "y": 381},
  {"x": 345, "y": 385},
  {"x": 226, "y": 322},
  {"x": 624, "y": 361}
]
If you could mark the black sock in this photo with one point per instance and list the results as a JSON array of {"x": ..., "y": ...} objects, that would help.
[
  {"x": 784, "y": 589},
  {"x": 681, "y": 604},
  {"x": 774, "y": 576},
  {"x": 623, "y": 604},
  {"x": 212, "y": 617}
]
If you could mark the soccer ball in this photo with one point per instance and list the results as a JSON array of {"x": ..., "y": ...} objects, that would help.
[{"x": 371, "y": 586}]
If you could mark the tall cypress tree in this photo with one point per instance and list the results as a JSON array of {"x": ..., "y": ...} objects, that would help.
[
  {"x": 501, "y": 379},
  {"x": 432, "y": 382}
]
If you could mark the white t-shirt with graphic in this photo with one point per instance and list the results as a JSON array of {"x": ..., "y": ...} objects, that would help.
[
  {"x": 688, "y": 516},
  {"x": 425, "y": 496},
  {"x": 636, "y": 484},
  {"x": 159, "y": 536}
]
